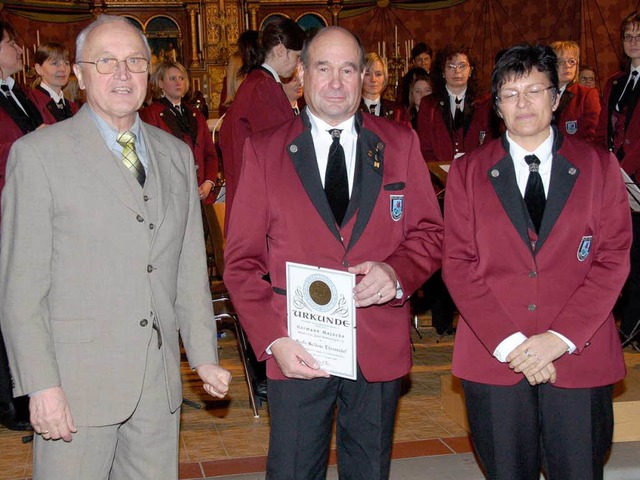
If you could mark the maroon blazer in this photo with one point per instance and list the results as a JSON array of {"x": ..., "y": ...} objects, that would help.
[
  {"x": 10, "y": 132},
  {"x": 46, "y": 105},
  {"x": 390, "y": 110},
  {"x": 198, "y": 138},
  {"x": 631, "y": 140},
  {"x": 281, "y": 214},
  {"x": 578, "y": 112},
  {"x": 502, "y": 286},
  {"x": 259, "y": 104},
  {"x": 438, "y": 142}
]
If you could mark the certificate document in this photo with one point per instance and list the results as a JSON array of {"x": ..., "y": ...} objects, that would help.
[{"x": 321, "y": 315}]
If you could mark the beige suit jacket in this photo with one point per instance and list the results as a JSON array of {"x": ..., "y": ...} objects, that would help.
[{"x": 88, "y": 259}]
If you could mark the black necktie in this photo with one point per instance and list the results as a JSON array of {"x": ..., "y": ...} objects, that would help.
[
  {"x": 296, "y": 111},
  {"x": 372, "y": 108},
  {"x": 458, "y": 116},
  {"x": 336, "y": 182},
  {"x": 628, "y": 90},
  {"x": 534, "y": 192}
]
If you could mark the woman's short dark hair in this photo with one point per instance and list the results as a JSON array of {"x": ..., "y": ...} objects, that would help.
[
  {"x": 518, "y": 61},
  {"x": 443, "y": 57},
  {"x": 419, "y": 49}
]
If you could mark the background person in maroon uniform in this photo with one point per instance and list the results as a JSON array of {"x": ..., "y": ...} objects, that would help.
[
  {"x": 170, "y": 82},
  {"x": 579, "y": 108}
]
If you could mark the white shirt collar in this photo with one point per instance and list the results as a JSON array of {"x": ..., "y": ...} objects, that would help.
[
  {"x": 544, "y": 152},
  {"x": 52, "y": 94},
  {"x": 9, "y": 81},
  {"x": 318, "y": 125},
  {"x": 268, "y": 67}
]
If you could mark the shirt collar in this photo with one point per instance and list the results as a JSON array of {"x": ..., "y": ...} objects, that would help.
[
  {"x": 461, "y": 95},
  {"x": 9, "y": 81},
  {"x": 52, "y": 94},
  {"x": 369, "y": 102},
  {"x": 270, "y": 69},
  {"x": 318, "y": 125}
]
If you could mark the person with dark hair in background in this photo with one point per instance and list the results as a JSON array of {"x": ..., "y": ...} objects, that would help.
[
  {"x": 587, "y": 76},
  {"x": 236, "y": 69},
  {"x": 536, "y": 250},
  {"x": 421, "y": 57},
  {"x": 376, "y": 78},
  {"x": 456, "y": 118},
  {"x": 420, "y": 86},
  {"x": 170, "y": 84},
  {"x": 619, "y": 131},
  {"x": 579, "y": 108},
  {"x": 317, "y": 190},
  {"x": 19, "y": 115},
  {"x": 53, "y": 67},
  {"x": 260, "y": 102}
]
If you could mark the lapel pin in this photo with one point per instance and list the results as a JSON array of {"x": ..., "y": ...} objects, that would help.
[
  {"x": 572, "y": 171},
  {"x": 293, "y": 148},
  {"x": 380, "y": 146},
  {"x": 495, "y": 173},
  {"x": 369, "y": 154}
]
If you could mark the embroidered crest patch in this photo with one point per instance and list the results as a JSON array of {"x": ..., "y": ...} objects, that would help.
[
  {"x": 572, "y": 127},
  {"x": 584, "y": 248},
  {"x": 397, "y": 207}
]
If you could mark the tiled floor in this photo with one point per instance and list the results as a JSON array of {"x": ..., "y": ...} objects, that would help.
[{"x": 223, "y": 438}]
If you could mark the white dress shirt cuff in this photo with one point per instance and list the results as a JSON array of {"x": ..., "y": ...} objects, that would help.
[
  {"x": 507, "y": 345},
  {"x": 571, "y": 347}
]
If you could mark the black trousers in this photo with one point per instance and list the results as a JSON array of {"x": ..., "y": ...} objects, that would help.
[
  {"x": 628, "y": 307},
  {"x": 302, "y": 413},
  {"x": 517, "y": 430}
]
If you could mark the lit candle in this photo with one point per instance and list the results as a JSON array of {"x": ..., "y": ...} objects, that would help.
[
  {"x": 395, "y": 43},
  {"x": 384, "y": 49},
  {"x": 38, "y": 37},
  {"x": 28, "y": 60}
]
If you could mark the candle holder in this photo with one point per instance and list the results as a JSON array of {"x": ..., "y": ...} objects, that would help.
[{"x": 396, "y": 66}]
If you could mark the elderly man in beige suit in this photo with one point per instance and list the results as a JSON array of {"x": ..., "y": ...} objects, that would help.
[{"x": 102, "y": 267}]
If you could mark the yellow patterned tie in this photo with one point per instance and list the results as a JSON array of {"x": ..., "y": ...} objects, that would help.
[{"x": 130, "y": 157}]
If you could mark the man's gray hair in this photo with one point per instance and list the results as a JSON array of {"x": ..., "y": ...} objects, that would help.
[{"x": 102, "y": 20}]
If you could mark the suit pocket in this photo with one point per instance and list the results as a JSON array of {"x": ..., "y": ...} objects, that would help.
[
  {"x": 392, "y": 187},
  {"x": 72, "y": 330}
]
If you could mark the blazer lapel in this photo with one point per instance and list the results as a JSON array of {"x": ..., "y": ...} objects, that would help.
[
  {"x": 563, "y": 177},
  {"x": 303, "y": 156},
  {"x": 160, "y": 165},
  {"x": 503, "y": 178},
  {"x": 565, "y": 99},
  {"x": 89, "y": 145},
  {"x": 368, "y": 179}
]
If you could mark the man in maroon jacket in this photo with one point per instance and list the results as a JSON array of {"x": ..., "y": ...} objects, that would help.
[
  {"x": 535, "y": 254},
  {"x": 387, "y": 232}
]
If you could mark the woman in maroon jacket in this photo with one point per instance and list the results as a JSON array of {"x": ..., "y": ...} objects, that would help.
[
  {"x": 170, "y": 83},
  {"x": 260, "y": 102},
  {"x": 579, "y": 108},
  {"x": 456, "y": 118},
  {"x": 53, "y": 67}
]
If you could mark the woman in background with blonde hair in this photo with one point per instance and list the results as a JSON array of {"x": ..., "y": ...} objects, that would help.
[
  {"x": 170, "y": 83},
  {"x": 376, "y": 78},
  {"x": 53, "y": 67},
  {"x": 579, "y": 108}
]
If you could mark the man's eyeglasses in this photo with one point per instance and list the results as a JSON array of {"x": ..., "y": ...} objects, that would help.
[
  {"x": 628, "y": 38},
  {"x": 569, "y": 62},
  {"x": 460, "y": 66},
  {"x": 109, "y": 65},
  {"x": 533, "y": 93}
]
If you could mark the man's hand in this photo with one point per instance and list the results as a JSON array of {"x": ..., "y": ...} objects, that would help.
[
  {"x": 205, "y": 189},
  {"x": 377, "y": 286},
  {"x": 51, "y": 415},
  {"x": 216, "y": 379},
  {"x": 294, "y": 360},
  {"x": 534, "y": 357}
]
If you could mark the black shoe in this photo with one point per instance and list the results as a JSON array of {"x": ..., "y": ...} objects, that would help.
[{"x": 11, "y": 420}]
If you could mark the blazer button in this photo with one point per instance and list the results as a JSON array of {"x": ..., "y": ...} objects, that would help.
[
  {"x": 531, "y": 307},
  {"x": 149, "y": 268},
  {"x": 345, "y": 263},
  {"x": 152, "y": 226},
  {"x": 144, "y": 322},
  {"x": 533, "y": 274},
  {"x": 140, "y": 219}
]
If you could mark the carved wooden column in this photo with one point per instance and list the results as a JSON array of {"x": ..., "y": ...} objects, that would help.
[
  {"x": 195, "y": 61},
  {"x": 334, "y": 8},
  {"x": 253, "y": 16}
]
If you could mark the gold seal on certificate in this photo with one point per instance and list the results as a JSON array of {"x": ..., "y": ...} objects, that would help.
[{"x": 321, "y": 316}]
